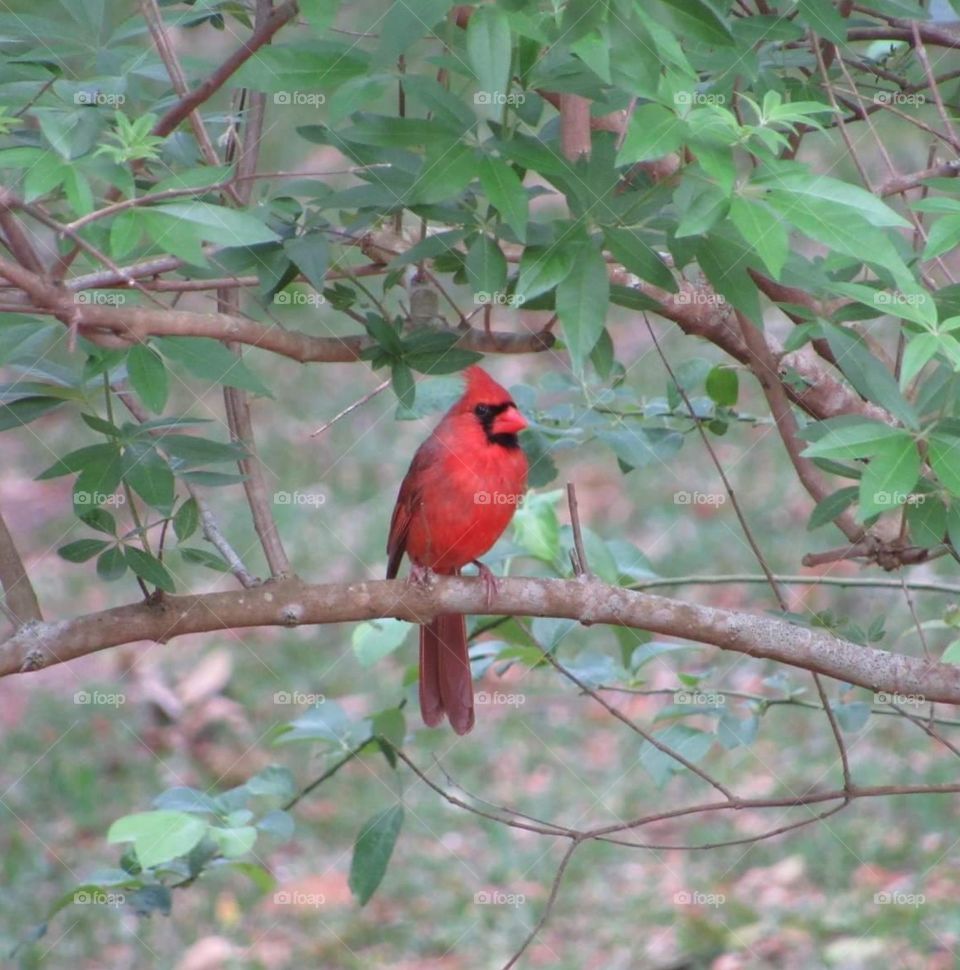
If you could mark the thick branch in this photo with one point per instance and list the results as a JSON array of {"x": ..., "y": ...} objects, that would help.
[{"x": 294, "y": 603}]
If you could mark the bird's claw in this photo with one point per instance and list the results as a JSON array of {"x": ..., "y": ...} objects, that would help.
[
  {"x": 420, "y": 575},
  {"x": 490, "y": 582}
]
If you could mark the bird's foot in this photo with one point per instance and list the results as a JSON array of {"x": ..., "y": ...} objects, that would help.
[
  {"x": 490, "y": 582},
  {"x": 420, "y": 575}
]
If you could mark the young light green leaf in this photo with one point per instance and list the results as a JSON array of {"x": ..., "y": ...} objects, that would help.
[
  {"x": 505, "y": 191},
  {"x": 890, "y": 477},
  {"x": 148, "y": 377},
  {"x": 158, "y": 836},
  {"x": 376, "y": 639}
]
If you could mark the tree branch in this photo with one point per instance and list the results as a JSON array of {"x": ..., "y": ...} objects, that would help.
[
  {"x": 293, "y": 603},
  {"x": 21, "y": 599}
]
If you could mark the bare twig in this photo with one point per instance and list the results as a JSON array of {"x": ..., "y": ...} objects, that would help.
[
  {"x": 579, "y": 556},
  {"x": 21, "y": 599},
  {"x": 382, "y": 386}
]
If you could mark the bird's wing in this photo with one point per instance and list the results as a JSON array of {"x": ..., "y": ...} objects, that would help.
[{"x": 407, "y": 501}]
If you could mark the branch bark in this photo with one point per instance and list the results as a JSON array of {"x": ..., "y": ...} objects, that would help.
[
  {"x": 292, "y": 602},
  {"x": 21, "y": 600}
]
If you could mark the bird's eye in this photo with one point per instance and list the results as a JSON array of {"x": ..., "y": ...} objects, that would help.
[{"x": 483, "y": 411}]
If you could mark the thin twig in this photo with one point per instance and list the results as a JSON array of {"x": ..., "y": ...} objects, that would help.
[
  {"x": 19, "y": 594},
  {"x": 578, "y": 554},
  {"x": 382, "y": 386}
]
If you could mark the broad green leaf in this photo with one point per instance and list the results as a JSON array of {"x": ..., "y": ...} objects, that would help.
[
  {"x": 209, "y": 360},
  {"x": 187, "y": 519},
  {"x": 191, "y": 450},
  {"x": 372, "y": 851},
  {"x": 832, "y": 506},
  {"x": 698, "y": 19},
  {"x": 943, "y": 453},
  {"x": 234, "y": 841},
  {"x": 890, "y": 477},
  {"x": 868, "y": 376},
  {"x": 541, "y": 269},
  {"x": 927, "y": 520},
  {"x": 852, "y": 717},
  {"x": 505, "y": 191},
  {"x": 405, "y": 23},
  {"x": 535, "y": 526},
  {"x": 763, "y": 230},
  {"x": 98, "y": 479},
  {"x": 149, "y": 568},
  {"x": 82, "y": 549},
  {"x": 860, "y": 438},
  {"x": 919, "y": 352},
  {"x": 489, "y": 50},
  {"x": 628, "y": 248},
  {"x": 148, "y": 377},
  {"x": 159, "y": 836},
  {"x": 111, "y": 565},
  {"x": 654, "y": 132},
  {"x": 149, "y": 476},
  {"x": 689, "y": 742},
  {"x": 295, "y": 72},
  {"x": 486, "y": 269},
  {"x": 25, "y": 410},
  {"x": 311, "y": 253},
  {"x": 221, "y": 225},
  {"x": 376, "y": 639},
  {"x": 723, "y": 386},
  {"x": 583, "y": 297},
  {"x": 943, "y": 236}
]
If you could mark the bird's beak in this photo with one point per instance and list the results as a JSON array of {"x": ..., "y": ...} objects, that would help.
[{"x": 510, "y": 422}]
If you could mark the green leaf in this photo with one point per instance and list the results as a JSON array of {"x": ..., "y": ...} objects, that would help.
[
  {"x": 486, "y": 268},
  {"x": 187, "y": 519},
  {"x": 191, "y": 450},
  {"x": 942, "y": 236},
  {"x": 376, "y": 639},
  {"x": 919, "y": 353},
  {"x": 149, "y": 568},
  {"x": 852, "y": 717},
  {"x": 686, "y": 741},
  {"x": 26, "y": 409},
  {"x": 698, "y": 19},
  {"x": 490, "y": 51},
  {"x": 723, "y": 386},
  {"x": 234, "y": 842},
  {"x": 832, "y": 506},
  {"x": 404, "y": 386},
  {"x": 763, "y": 230},
  {"x": 843, "y": 438},
  {"x": 374, "y": 846},
  {"x": 889, "y": 479},
  {"x": 201, "y": 557},
  {"x": 943, "y": 453},
  {"x": 628, "y": 248},
  {"x": 311, "y": 253},
  {"x": 209, "y": 360},
  {"x": 158, "y": 836},
  {"x": 583, "y": 297},
  {"x": 126, "y": 228},
  {"x": 536, "y": 528},
  {"x": 82, "y": 549},
  {"x": 308, "y": 66},
  {"x": 149, "y": 476},
  {"x": 541, "y": 269},
  {"x": 148, "y": 377},
  {"x": 654, "y": 132},
  {"x": 227, "y": 227},
  {"x": 111, "y": 565},
  {"x": 868, "y": 376},
  {"x": 98, "y": 479},
  {"x": 505, "y": 191},
  {"x": 405, "y": 23},
  {"x": 927, "y": 520}
]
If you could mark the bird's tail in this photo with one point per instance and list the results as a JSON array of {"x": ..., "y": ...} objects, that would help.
[{"x": 446, "y": 684}]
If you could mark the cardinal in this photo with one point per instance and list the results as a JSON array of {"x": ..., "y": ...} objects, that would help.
[{"x": 458, "y": 496}]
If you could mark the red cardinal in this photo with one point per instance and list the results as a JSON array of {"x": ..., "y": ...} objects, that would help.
[{"x": 459, "y": 495}]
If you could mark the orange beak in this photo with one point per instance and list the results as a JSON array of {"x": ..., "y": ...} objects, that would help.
[{"x": 510, "y": 422}]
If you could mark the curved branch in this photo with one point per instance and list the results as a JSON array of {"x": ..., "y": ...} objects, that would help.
[{"x": 292, "y": 602}]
